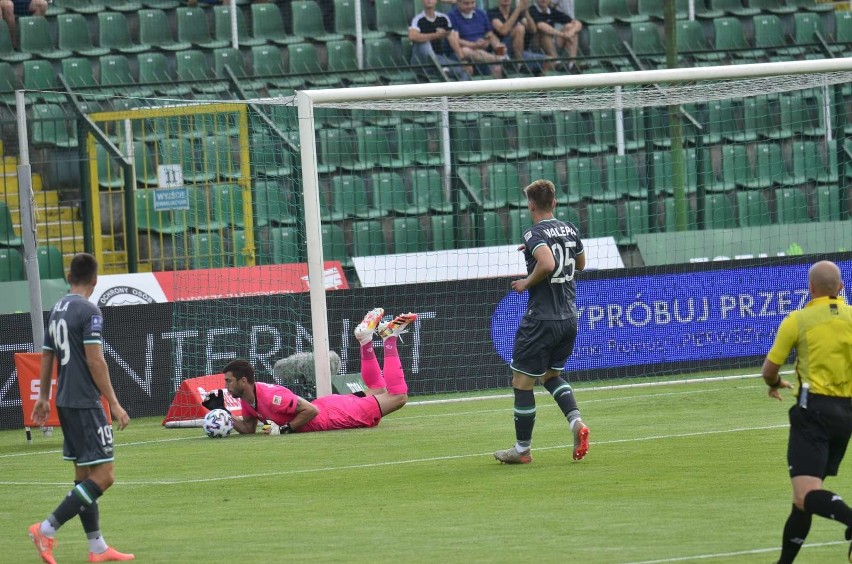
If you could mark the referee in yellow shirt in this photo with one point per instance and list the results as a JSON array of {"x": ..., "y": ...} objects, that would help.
[{"x": 821, "y": 420}]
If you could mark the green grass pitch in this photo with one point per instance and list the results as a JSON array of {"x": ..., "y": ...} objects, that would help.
[{"x": 676, "y": 473}]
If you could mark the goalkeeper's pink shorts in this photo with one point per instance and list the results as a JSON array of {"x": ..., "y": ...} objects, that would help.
[{"x": 344, "y": 412}]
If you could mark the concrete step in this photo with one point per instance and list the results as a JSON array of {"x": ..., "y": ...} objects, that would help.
[
  {"x": 49, "y": 213},
  {"x": 9, "y": 183},
  {"x": 41, "y": 198}
]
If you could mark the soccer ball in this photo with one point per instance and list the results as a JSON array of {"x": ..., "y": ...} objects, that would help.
[{"x": 218, "y": 423}]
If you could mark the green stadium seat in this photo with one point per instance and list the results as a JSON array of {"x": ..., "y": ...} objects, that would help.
[
  {"x": 11, "y": 265},
  {"x": 40, "y": 75},
  {"x": 372, "y": 148},
  {"x": 636, "y": 221},
  {"x": 74, "y": 36},
  {"x": 7, "y": 52},
  {"x": 115, "y": 34},
  {"x": 720, "y": 122},
  {"x": 202, "y": 214},
  {"x": 368, "y": 239},
  {"x": 390, "y": 193},
  {"x": 392, "y": 16},
  {"x": 154, "y": 73},
  {"x": 270, "y": 158},
  {"x": 828, "y": 170},
  {"x": 806, "y": 163},
  {"x": 768, "y": 169},
  {"x": 51, "y": 127},
  {"x": 426, "y": 183},
  {"x": 443, "y": 232},
  {"x": 349, "y": 196},
  {"x": 756, "y": 120},
  {"x": 584, "y": 177},
  {"x": 221, "y": 157},
  {"x": 333, "y": 244},
  {"x": 383, "y": 55},
  {"x": 8, "y": 83},
  {"x": 238, "y": 254},
  {"x": 663, "y": 173},
  {"x": 50, "y": 265},
  {"x": 691, "y": 42},
  {"x": 730, "y": 38},
  {"x": 228, "y": 204},
  {"x": 769, "y": 34},
  {"x": 471, "y": 177},
  {"x": 587, "y": 12},
  {"x": 193, "y": 69},
  {"x": 36, "y": 40},
  {"x": 646, "y": 43},
  {"x": 546, "y": 169},
  {"x": 336, "y": 150},
  {"x": 720, "y": 8},
  {"x": 192, "y": 28},
  {"x": 791, "y": 206},
  {"x": 752, "y": 210},
  {"x": 671, "y": 216},
  {"x": 271, "y": 204},
  {"x": 182, "y": 152},
  {"x": 148, "y": 219},
  {"x": 308, "y": 22},
  {"x": 222, "y": 27},
  {"x": 286, "y": 245},
  {"x": 718, "y": 212},
  {"x": 110, "y": 174},
  {"x": 773, "y": 6},
  {"x": 493, "y": 233},
  {"x": 622, "y": 179},
  {"x": 78, "y": 73},
  {"x": 116, "y": 76},
  {"x": 532, "y": 134},
  {"x": 269, "y": 67},
  {"x": 146, "y": 165},
  {"x": 128, "y": 6},
  {"x": 233, "y": 59},
  {"x": 207, "y": 251},
  {"x": 841, "y": 42},
  {"x": 154, "y": 29},
  {"x": 304, "y": 60},
  {"x": 267, "y": 24},
  {"x": 407, "y": 235},
  {"x": 161, "y": 4},
  {"x": 568, "y": 214},
  {"x": 619, "y": 10},
  {"x": 410, "y": 145},
  {"x": 504, "y": 184},
  {"x": 806, "y": 27},
  {"x": 7, "y": 229},
  {"x": 342, "y": 60},
  {"x": 602, "y": 220},
  {"x": 606, "y": 47},
  {"x": 810, "y": 5},
  {"x": 828, "y": 203},
  {"x": 80, "y": 6}
]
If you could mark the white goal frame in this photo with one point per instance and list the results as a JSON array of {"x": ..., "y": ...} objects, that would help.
[{"x": 306, "y": 100}]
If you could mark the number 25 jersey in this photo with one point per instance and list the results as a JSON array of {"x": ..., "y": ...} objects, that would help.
[{"x": 553, "y": 297}]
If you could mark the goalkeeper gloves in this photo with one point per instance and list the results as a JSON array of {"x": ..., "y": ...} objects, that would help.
[
  {"x": 271, "y": 428},
  {"x": 215, "y": 400}
]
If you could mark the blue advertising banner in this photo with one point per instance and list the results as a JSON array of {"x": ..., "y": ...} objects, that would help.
[{"x": 693, "y": 316}]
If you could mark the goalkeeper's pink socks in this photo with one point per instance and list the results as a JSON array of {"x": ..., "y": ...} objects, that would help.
[
  {"x": 394, "y": 375},
  {"x": 370, "y": 370}
]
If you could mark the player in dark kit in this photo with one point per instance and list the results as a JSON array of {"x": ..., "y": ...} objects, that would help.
[
  {"x": 545, "y": 338},
  {"x": 73, "y": 338}
]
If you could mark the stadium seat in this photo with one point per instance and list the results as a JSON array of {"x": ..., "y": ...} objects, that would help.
[
  {"x": 828, "y": 172},
  {"x": 427, "y": 185},
  {"x": 568, "y": 214},
  {"x": 8, "y": 83},
  {"x": 207, "y": 250},
  {"x": 636, "y": 221},
  {"x": 333, "y": 244},
  {"x": 587, "y": 12},
  {"x": 720, "y": 121},
  {"x": 36, "y": 39},
  {"x": 390, "y": 195},
  {"x": 50, "y": 265},
  {"x": 443, "y": 232},
  {"x": 74, "y": 36},
  {"x": 565, "y": 132},
  {"x": 769, "y": 34},
  {"x": 80, "y": 6},
  {"x": 407, "y": 235},
  {"x": 269, "y": 67},
  {"x": 504, "y": 185},
  {"x": 622, "y": 179},
  {"x": 718, "y": 213},
  {"x": 270, "y": 159},
  {"x": 8, "y": 53},
  {"x": 202, "y": 214},
  {"x": 308, "y": 22},
  {"x": 7, "y": 229},
  {"x": 730, "y": 38},
  {"x": 720, "y": 8},
  {"x": 493, "y": 233},
  {"x": 602, "y": 220},
  {"x": 336, "y": 150},
  {"x": 267, "y": 24},
  {"x": 828, "y": 203},
  {"x": 619, "y": 10},
  {"x": 807, "y": 26},
  {"x": 116, "y": 77},
  {"x": 691, "y": 42},
  {"x": 842, "y": 40},
  {"x": 182, "y": 152},
  {"x": 115, "y": 34},
  {"x": 11, "y": 265},
  {"x": 368, "y": 239},
  {"x": 791, "y": 206},
  {"x": 584, "y": 177},
  {"x": 546, "y": 169},
  {"x": 222, "y": 27},
  {"x": 221, "y": 158},
  {"x": 670, "y": 214},
  {"x": 773, "y": 6},
  {"x": 342, "y": 61},
  {"x": 752, "y": 210},
  {"x": 144, "y": 159},
  {"x": 805, "y": 162},
  {"x": 154, "y": 73},
  {"x": 349, "y": 195},
  {"x": 532, "y": 133},
  {"x": 810, "y": 5},
  {"x": 154, "y": 29},
  {"x": 412, "y": 146},
  {"x": 192, "y": 28},
  {"x": 285, "y": 245},
  {"x": 606, "y": 47},
  {"x": 304, "y": 60},
  {"x": 237, "y": 254},
  {"x": 228, "y": 204},
  {"x": 193, "y": 69},
  {"x": 50, "y": 127},
  {"x": 392, "y": 16},
  {"x": 148, "y": 219},
  {"x": 663, "y": 173},
  {"x": 271, "y": 204},
  {"x": 78, "y": 73},
  {"x": 768, "y": 168},
  {"x": 233, "y": 59},
  {"x": 40, "y": 76},
  {"x": 110, "y": 173},
  {"x": 161, "y": 4},
  {"x": 372, "y": 148},
  {"x": 382, "y": 55},
  {"x": 646, "y": 43}
]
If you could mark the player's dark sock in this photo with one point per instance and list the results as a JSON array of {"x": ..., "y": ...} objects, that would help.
[
  {"x": 90, "y": 516},
  {"x": 564, "y": 396},
  {"x": 795, "y": 531},
  {"x": 79, "y": 498},
  {"x": 524, "y": 416},
  {"x": 829, "y": 505}
]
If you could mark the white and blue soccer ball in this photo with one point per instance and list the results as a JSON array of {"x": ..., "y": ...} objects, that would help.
[{"x": 218, "y": 423}]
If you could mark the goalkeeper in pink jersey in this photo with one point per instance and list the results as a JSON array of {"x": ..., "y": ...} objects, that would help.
[{"x": 283, "y": 412}]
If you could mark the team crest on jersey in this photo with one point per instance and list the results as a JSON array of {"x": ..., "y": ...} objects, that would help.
[
  {"x": 527, "y": 235},
  {"x": 97, "y": 323},
  {"x": 276, "y": 400}
]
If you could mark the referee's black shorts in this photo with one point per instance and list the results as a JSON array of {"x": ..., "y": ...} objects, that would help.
[
  {"x": 541, "y": 345},
  {"x": 819, "y": 435}
]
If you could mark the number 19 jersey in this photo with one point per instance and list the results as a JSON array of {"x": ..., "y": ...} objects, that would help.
[
  {"x": 553, "y": 297},
  {"x": 73, "y": 323}
]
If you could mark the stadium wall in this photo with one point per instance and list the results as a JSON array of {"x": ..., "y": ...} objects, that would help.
[{"x": 676, "y": 319}]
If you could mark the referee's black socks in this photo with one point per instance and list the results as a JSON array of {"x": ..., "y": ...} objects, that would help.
[
  {"x": 829, "y": 505},
  {"x": 795, "y": 531}
]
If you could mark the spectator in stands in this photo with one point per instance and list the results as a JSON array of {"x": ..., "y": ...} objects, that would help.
[
  {"x": 12, "y": 9},
  {"x": 556, "y": 29},
  {"x": 432, "y": 35},
  {"x": 516, "y": 28},
  {"x": 477, "y": 41}
]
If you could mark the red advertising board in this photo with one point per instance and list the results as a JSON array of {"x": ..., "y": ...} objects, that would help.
[{"x": 186, "y": 405}]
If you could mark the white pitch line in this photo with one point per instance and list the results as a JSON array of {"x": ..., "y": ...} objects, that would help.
[
  {"x": 729, "y": 554},
  {"x": 393, "y": 462}
]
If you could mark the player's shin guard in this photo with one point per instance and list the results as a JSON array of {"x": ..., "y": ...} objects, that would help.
[
  {"x": 394, "y": 375},
  {"x": 371, "y": 373},
  {"x": 90, "y": 515},
  {"x": 829, "y": 505},
  {"x": 795, "y": 531},
  {"x": 81, "y": 497},
  {"x": 564, "y": 396},
  {"x": 524, "y": 411}
]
